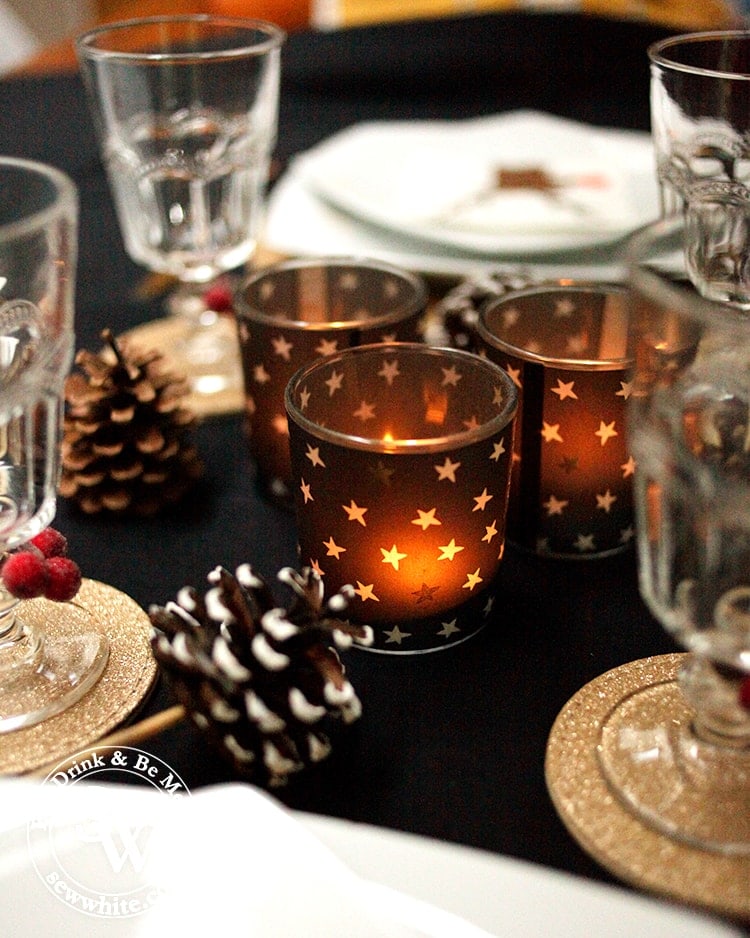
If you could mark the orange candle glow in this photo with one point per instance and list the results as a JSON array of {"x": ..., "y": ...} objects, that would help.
[{"x": 406, "y": 509}]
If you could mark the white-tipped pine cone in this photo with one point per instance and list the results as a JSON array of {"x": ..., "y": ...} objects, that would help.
[{"x": 260, "y": 681}]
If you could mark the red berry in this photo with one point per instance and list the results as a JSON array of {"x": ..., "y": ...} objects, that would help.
[
  {"x": 64, "y": 579},
  {"x": 745, "y": 693},
  {"x": 25, "y": 575},
  {"x": 51, "y": 543},
  {"x": 218, "y": 297}
]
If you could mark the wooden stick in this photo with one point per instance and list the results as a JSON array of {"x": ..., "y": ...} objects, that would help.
[{"x": 144, "y": 729}]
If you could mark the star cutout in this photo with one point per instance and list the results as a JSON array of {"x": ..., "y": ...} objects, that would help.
[
  {"x": 554, "y": 505},
  {"x": 327, "y": 347},
  {"x": 313, "y": 454},
  {"x": 333, "y": 548},
  {"x": 568, "y": 464},
  {"x": 389, "y": 371},
  {"x": 565, "y": 390},
  {"x": 381, "y": 473},
  {"x": 514, "y": 374},
  {"x": 306, "y": 493},
  {"x": 355, "y": 513},
  {"x": 564, "y": 309},
  {"x": 471, "y": 424},
  {"x": 498, "y": 396},
  {"x": 626, "y": 389},
  {"x": 365, "y": 592},
  {"x": 584, "y": 543},
  {"x": 392, "y": 556},
  {"x": 314, "y": 565},
  {"x": 510, "y": 317},
  {"x": 426, "y": 518},
  {"x": 449, "y": 551},
  {"x": 282, "y": 347},
  {"x": 628, "y": 468},
  {"x": 606, "y": 501},
  {"x": 425, "y": 593},
  {"x": 488, "y": 606},
  {"x": 365, "y": 411},
  {"x": 349, "y": 281},
  {"x": 577, "y": 344},
  {"x": 491, "y": 530},
  {"x": 627, "y": 534},
  {"x": 448, "y": 628},
  {"x": 451, "y": 377},
  {"x": 472, "y": 580},
  {"x": 386, "y": 337},
  {"x": 481, "y": 500},
  {"x": 447, "y": 470},
  {"x": 498, "y": 449},
  {"x": 606, "y": 431},
  {"x": 334, "y": 382},
  {"x": 551, "y": 432},
  {"x": 304, "y": 399},
  {"x": 260, "y": 375},
  {"x": 395, "y": 635}
]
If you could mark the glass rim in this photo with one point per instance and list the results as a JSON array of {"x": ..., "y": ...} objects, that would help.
[
  {"x": 246, "y": 311},
  {"x": 65, "y": 197},
  {"x": 657, "y": 52},
  {"x": 655, "y": 283},
  {"x": 458, "y": 440},
  {"x": 272, "y": 38},
  {"x": 552, "y": 361}
]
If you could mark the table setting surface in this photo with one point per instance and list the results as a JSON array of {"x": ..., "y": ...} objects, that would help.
[{"x": 450, "y": 745}]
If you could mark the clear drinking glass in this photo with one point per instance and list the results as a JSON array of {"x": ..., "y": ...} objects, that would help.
[
  {"x": 678, "y": 754},
  {"x": 40, "y": 674},
  {"x": 186, "y": 109},
  {"x": 700, "y": 118}
]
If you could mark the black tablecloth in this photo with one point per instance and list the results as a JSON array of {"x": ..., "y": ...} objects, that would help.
[{"x": 451, "y": 744}]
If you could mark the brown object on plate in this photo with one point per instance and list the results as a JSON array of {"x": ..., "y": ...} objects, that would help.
[
  {"x": 261, "y": 682},
  {"x": 126, "y": 446}
]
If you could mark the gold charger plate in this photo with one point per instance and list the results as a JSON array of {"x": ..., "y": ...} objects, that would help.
[
  {"x": 628, "y": 848},
  {"x": 128, "y": 677}
]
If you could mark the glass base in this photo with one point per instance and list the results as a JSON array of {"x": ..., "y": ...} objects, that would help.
[
  {"x": 694, "y": 791},
  {"x": 43, "y": 675}
]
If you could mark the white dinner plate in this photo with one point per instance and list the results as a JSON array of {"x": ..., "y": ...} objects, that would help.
[
  {"x": 509, "y": 184},
  {"x": 231, "y": 860}
]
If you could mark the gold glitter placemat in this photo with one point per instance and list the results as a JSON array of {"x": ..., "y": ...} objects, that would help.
[
  {"x": 631, "y": 850},
  {"x": 165, "y": 335},
  {"x": 128, "y": 677}
]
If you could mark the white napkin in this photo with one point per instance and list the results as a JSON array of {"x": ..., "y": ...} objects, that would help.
[{"x": 227, "y": 860}]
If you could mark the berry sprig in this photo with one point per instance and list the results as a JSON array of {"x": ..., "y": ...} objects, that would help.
[{"x": 42, "y": 568}]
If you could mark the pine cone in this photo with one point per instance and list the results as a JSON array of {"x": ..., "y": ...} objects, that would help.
[
  {"x": 260, "y": 681},
  {"x": 125, "y": 448}
]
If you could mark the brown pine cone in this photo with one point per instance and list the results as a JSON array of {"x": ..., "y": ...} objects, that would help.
[
  {"x": 262, "y": 682},
  {"x": 125, "y": 446}
]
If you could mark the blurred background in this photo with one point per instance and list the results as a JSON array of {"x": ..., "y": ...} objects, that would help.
[{"x": 34, "y": 39}]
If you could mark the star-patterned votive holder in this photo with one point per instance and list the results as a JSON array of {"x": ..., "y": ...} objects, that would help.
[
  {"x": 296, "y": 311},
  {"x": 565, "y": 347},
  {"x": 401, "y": 462}
]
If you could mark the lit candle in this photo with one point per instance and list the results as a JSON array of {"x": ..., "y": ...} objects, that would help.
[
  {"x": 565, "y": 347},
  {"x": 294, "y": 312},
  {"x": 401, "y": 466}
]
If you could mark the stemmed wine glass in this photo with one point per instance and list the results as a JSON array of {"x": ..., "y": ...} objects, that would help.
[
  {"x": 42, "y": 672},
  {"x": 678, "y": 753},
  {"x": 185, "y": 109}
]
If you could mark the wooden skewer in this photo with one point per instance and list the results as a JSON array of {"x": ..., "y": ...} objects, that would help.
[{"x": 144, "y": 729}]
